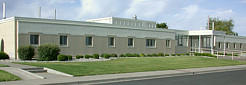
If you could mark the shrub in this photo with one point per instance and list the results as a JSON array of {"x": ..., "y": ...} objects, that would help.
[
  {"x": 122, "y": 55},
  {"x": 62, "y": 57},
  {"x": 210, "y": 55},
  {"x": 235, "y": 55},
  {"x": 173, "y": 54},
  {"x": 129, "y": 55},
  {"x": 160, "y": 54},
  {"x": 48, "y": 52},
  {"x": 183, "y": 54},
  {"x": 205, "y": 54},
  {"x": 102, "y": 55},
  {"x": 196, "y": 54},
  {"x": 106, "y": 56},
  {"x": 136, "y": 55},
  {"x": 96, "y": 56},
  {"x": 113, "y": 55},
  {"x": 188, "y": 54},
  {"x": 178, "y": 54},
  {"x": 87, "y": 56},
  {"x": 69, "y": 57},
  {"x": 149, "y": 55},
  {"x": 154, "y": 54},
  {"x": 3, "y": 55},
  {"x": 79, "y": 56},
  {"x": 166, "y": 54},
  {"x": 26, "y": 52},
  {"x": 142, "y": 55},
  {"x": 221, "y": 53}
]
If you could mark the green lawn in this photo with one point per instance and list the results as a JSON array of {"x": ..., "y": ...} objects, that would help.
[
  {"x": 5, "y": 76},
  {"x": 1, "y": 65},
  {"x": 127, "y": 65}
]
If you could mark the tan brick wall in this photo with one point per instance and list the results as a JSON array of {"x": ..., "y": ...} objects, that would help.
[{"x": 76, "y": 45}]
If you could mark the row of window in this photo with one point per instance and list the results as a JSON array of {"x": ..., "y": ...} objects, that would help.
[
  {"x": 34, "y": 40},
  {"x": 129, "y": 23},
  {"x": 234, "y": 46}
]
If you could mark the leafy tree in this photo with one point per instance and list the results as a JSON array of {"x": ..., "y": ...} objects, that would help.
[
  {"x": 222, "y": 25},
  {"x": 162, "y": 25}
]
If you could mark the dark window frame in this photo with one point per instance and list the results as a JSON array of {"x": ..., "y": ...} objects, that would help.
[
  {"x": 34, "y": 39},
  {"x": 130, "y": 42},
  {"x": 89, "y": 41},
  {"x": 63, "y": 40}
]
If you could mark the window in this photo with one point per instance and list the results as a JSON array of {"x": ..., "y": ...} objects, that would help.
[
  {"x": 234, "y": 45},
  {"x": 181, "y": 40},
  {"x": 241, "y": 46},
  {"x": 150, "y": 42},
  {"x": 227, "y": 45},
  {"x": 63, "y": 40},
  {"x": 111, "y": 41},
  {"x": 34, "y": 39},
  {"x": 168, "y": 43},
  {"x": 89, "y": 41},
  {"x": 206, "y": 42},
  {"x": 130, "y": 42},
  {"x": 219, "y": 45}
]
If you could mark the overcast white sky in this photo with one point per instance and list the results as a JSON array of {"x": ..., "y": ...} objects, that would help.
[{"x": 178, "y": 14}]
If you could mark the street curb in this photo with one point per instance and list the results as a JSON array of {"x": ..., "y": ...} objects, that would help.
[
  {"x": 146, "y": 77},
  {"x": 41, "y": 77},
  {"x": 57, "y": 72}
]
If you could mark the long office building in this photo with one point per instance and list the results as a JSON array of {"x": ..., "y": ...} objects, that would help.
[{"x": 112, "y": 35}]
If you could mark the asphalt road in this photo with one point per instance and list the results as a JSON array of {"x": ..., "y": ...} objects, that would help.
[{"x": 219, "y": 78}]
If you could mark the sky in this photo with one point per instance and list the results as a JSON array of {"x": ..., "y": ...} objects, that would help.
[{"x": 178, "y": 14}]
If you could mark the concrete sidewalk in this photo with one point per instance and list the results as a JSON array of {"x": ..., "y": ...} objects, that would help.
[
  {"x": 15, "y": 69},
  {"x": 124, "y": 76}
]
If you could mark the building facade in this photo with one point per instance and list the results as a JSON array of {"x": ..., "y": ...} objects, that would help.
[{"x": 111, "y": 35}]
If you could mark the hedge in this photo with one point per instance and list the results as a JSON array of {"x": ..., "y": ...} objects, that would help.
[
  {"x": 160, "y": 54},
  {"x": 96, "y": 56},
  {"x": 3, "y": 55},
  {"x": 136, "y": 55},
  {"x": 48, "y": 52},
  {"x": 122, "y": 55},
  {"x": 62, "y": 57},
  {"x": 26, "y": 52},
  {"x": 87, "y": 56},
  {"x": 129, "y": 55},
  {"x": 149, "y": 55},
  {"x": 204, "y": 54},
  {"x": 154, "y": 54},
  {"x": 79, "y": 56},
  {"x": 69, "y": 57},
  {"x": 113, "y": 55},
  {"x": 166, "y": 54},
  {"x": 142, "y": 55},
  {"x": 106, "y": 56}
]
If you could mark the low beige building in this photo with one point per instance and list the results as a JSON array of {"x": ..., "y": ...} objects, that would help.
[{"x": 111, "y": 35}]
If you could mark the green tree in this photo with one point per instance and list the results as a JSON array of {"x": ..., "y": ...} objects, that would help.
[
  {"x": 162, "y": 25},
  {"x": 222, "y": 25}
]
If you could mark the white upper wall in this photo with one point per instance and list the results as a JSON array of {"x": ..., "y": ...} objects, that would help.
[
  {"x": 206, "y": 32},
  {"x": 107, "y": 20},
  {"x": 125, "y": 22}
]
